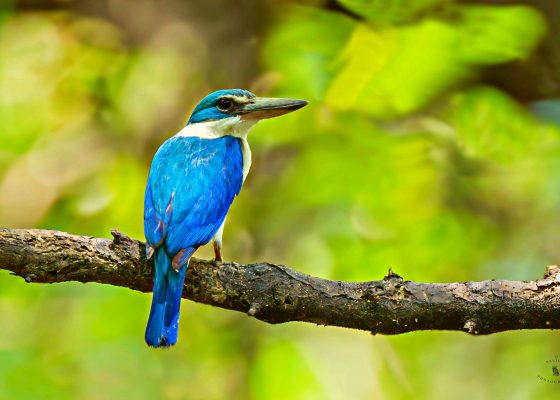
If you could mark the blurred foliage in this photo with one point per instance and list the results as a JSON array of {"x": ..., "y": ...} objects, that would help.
[{"x": 407, "y": 157}]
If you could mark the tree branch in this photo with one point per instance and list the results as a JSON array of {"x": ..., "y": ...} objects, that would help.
[{"x": 276, "y": 294}]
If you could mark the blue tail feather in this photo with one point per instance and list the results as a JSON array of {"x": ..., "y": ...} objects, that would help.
[{"x": 166, "y": 302}]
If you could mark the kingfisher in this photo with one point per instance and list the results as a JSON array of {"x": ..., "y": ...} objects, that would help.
[{"x": 193, "y": 179}]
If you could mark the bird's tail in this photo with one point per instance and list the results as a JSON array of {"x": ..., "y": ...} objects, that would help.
[{"x": 163, "y": 322}]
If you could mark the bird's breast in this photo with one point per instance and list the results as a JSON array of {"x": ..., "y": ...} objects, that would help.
[{"x": 218, "y": 158}]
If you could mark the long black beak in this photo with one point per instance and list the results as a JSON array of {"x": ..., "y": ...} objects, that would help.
[{"x": 269, "y": 107}]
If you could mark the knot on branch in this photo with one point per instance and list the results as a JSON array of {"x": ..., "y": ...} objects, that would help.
[
  {"x": 470, "y": 327},
  {"x": 120, "y": 238},
  {"x": 255, "y": 307},
  {"x": 551, "y": 271},
  {"x": 392, "y": 276}
]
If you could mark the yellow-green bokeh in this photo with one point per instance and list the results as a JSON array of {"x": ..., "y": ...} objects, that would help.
[{"x": 406, "y": 158}]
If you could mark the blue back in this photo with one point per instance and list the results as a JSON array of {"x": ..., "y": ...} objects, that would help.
[{"x": 205, "y": 175}]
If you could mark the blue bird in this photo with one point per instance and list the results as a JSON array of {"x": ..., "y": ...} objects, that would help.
[{"x": 194, "y": 177}]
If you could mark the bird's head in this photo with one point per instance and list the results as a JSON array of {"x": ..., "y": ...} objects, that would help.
[{"x": 234, "y": 111}]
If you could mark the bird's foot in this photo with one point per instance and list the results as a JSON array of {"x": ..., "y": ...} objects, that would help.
[{"x": 217, "y": 254}]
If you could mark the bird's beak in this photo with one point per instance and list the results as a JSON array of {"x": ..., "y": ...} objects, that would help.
[{"x": 269, "y": 107}]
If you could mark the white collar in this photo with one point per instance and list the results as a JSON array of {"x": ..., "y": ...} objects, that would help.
[{"x": 233, "y": 126}]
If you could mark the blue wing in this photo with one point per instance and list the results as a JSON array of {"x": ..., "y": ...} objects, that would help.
[{"x": 191, "y": 186}]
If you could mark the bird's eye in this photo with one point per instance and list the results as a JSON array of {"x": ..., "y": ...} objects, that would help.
[{"x": 225, "y": 104}]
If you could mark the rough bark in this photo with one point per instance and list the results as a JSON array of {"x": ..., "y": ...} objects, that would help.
[{"x": 277, "y": 294}]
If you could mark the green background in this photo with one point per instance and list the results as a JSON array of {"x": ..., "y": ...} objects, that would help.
[{"x": 431, "y": 145}]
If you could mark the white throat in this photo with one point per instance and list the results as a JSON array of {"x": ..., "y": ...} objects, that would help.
[{"x": 232, "y": 126}]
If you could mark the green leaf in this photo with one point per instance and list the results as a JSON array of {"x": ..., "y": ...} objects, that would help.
[
  {"x": 386, "y": 73},
  {"x": 494, "y": 35},
  {"x": 303, "y": 49},
  {"x": 392, "y": 10},
  {"x": 493, "y": 126}
]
